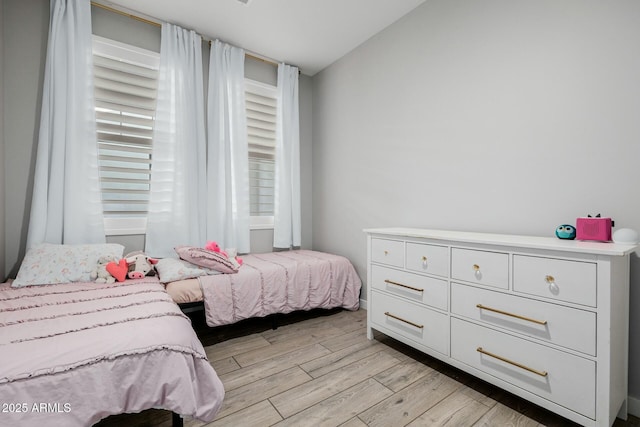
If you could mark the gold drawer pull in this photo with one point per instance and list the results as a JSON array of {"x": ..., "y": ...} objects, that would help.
[
  {"x": 403, "y": 320},
  {"x": 553, "y": 286},
  {"x": 476, "y": 272},
  {"x": 404, "y": 286},
  {"x": 511, "y": 362},
  {"x": 506, "y": 313}
]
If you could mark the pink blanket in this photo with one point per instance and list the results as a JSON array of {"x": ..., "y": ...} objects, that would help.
[
  {"x": 280, "y": 282},
  {"x": 73, "y": 354}
]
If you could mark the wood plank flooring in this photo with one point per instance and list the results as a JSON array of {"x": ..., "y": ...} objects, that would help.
[{"x": 319, "y": 369}]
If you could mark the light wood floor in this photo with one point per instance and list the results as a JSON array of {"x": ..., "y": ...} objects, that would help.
[{"x": 319, "y": 369}]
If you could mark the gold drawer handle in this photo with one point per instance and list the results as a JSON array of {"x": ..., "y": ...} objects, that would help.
[
  {"x": 511, "y": 362},
  {"x": 553, "y": 286},
  {"x": 506, "y": 313},
  {"x": 476, "y": 272},
  {"x": 403, "y": 286},
  {"x": 403, "y": 320}
]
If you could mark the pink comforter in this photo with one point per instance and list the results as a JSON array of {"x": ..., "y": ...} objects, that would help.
[
  {"x": 73, "y": 354},
  {"x": 280, "y": 282}
]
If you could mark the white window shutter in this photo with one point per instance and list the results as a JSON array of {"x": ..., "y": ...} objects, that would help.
[
  {"x": 261, "y": 106},
  {"x": 125, "y": 79}
]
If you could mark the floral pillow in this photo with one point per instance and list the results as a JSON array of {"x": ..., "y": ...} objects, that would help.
[
  {"x": 47, "y": 263},
  {"x": 172, "y": 269},
  {"x": 206, "y": 258}
]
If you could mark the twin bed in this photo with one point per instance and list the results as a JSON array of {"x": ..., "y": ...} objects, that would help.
[
  {"x": 74, "y": 353},
  {"x": 270, "y": 283}
]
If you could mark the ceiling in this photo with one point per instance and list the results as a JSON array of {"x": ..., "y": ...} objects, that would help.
[{"x": 310, "y": 34}]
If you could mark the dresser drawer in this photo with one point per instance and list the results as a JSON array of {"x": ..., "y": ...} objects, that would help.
[
  {"x": 417, "y": 323},
  {"x": 564, "y": 326},
  {"x": 421, "y": 289},
  {"x": 431, "y": 259},
  {"x": 390, "y": 252},
  {"x": 564, "y": 280},
  {"x": 482, "y": 267},
  {"x": 565, "y": 379}
]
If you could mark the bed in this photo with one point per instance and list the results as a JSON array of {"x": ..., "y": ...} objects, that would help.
[
  {"x": 270, "y": 283},
  {"x": 74, "y": 353}
]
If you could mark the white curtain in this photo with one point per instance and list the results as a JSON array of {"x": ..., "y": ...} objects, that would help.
[
  {"x": 227, "y": 158},
  {"x": 178, "y": 175},
  {"x": 66, "y": 204},
  {"x": 287, "y": 218}
]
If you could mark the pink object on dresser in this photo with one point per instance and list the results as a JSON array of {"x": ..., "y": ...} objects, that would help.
[
  {"x": 280, "y": 282},
  {"x": 598, "y": 229},
  {"x": 87, "y": 351}
]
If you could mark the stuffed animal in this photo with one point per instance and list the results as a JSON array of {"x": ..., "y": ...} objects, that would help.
[
  {"x": 140, "y": 265},
  {"x": 213, "y": 246},
  {"x": 233, "y": 257},
  {"x": 118, "y": 269},
  {"x": 100, "y": 273},
  {"x": 230, "y": 253},
  {"x": 566, "y": 231}
]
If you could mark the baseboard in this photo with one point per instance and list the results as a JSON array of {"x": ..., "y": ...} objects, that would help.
[
  {"x": 633, "y": 406},
  {"x": 363, "y": 304}
]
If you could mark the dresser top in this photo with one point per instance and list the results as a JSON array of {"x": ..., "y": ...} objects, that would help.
[{"x": 532, "y": 242}]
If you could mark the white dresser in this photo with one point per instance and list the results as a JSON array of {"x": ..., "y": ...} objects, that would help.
[{"x": 544, "y": 318}]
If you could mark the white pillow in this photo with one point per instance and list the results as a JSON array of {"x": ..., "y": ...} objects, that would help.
[
  {"x": 46, "y": 263},
  {"x": 172, "y": 269}
]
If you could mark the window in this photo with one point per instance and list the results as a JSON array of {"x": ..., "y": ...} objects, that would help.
[
  {"x": 261, "y": 105},
  {"x": 125, "y": 79}
]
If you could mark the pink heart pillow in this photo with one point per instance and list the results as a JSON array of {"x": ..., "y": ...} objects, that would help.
[{"x": 119, "y": 271}]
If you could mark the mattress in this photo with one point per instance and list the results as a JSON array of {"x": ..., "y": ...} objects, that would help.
[{"x": 185, "y": 291}]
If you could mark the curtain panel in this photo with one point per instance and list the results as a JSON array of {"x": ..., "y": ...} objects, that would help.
[
  {"x": 287, "y": 220},
  {"x": 177, "y": 199},
  {"x": 66, "y": 205},
  {"x": 227, "y": 154}
]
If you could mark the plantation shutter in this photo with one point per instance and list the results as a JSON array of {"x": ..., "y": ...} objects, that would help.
[
  {"x": 261, "y": 106},
  {"x": 125, "y": 80}
]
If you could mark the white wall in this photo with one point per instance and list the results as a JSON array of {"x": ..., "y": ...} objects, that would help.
[
  {"x": 2, "y": 180},
  {"x": 494, "y": 116},
  {"x": 27, "y": 24},
  {"x": 124, "y": 29},
  {"x": 305, "y": 92}
]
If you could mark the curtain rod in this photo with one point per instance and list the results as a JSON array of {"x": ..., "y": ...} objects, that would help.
[{"x": 157, "y": 24}]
